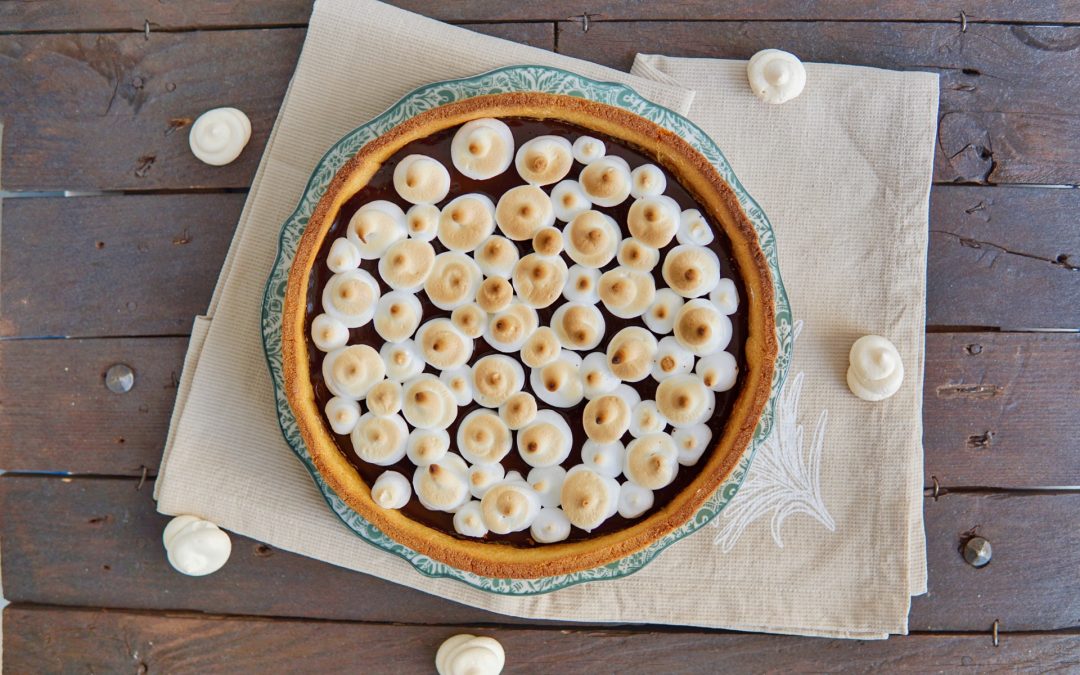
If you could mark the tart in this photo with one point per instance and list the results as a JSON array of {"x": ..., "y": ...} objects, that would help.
[{"x": 528, "y": 334}]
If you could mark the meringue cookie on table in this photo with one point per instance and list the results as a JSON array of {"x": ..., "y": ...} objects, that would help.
[
  {"x": 876, "y": 370},
  {"x": 391, "y": 490},
  {"x": 568, "y": 199},
  {"x": 551, "y": 525},
  {"x": 776, "y": 76},
  {"x": 589, "y": 498},
  {"x": 544, "y": 160},
  {"x": 482, "y": 148},
  {"x": 194, "y": 546},
  {"x": 420, "y": 179},
  {"x": 218, "y": 136},
  {"x": 470, "y": 655}
]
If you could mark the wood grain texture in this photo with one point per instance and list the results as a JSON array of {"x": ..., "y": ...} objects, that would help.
[
  {"x": 999, "y": 409},
  {"x": 72, "y": 15},
  {"x": 112, "y": 110},
  {"x": 96, "y": 542},
  {"x": 1000, "y": 119},
  {"x": 49, "y": 639}
]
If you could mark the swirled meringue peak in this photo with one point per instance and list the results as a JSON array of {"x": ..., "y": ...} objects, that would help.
[
  {"x": 420, "y": 179},
  {"x": 483, "y": 148},
  {"x": 375, "y": 226},
  {"x": 544, "y": 160}
]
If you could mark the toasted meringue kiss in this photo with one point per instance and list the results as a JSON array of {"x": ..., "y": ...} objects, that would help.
[
  {"x": 403, "y": 359},
  {"x": 606, "y": 181},
  {"x": 328, "y": 333},
  {"x": 384, "y": 398},
  {"x": 518, "y": 410},
  {"x": 539, "y": 279},
  {"x": 420, "y": 179},
  {"x": 647, "y": 180},
  {"x": 219, "y": 135},
  {"x": 428, "y": 403},
  {"x": 466, "y": 222},
  {"x": 691, "y": 443},
  {"x": 634, "y": 500},
  {"x": 350, "y": 372},
  {"x": 391, "y": 490},
  {"x": 510, "y": 506},
  {"x": 578, "y": 326},
  {"x": 568, "y": 199},
  {"x": 523, "y": 211},
  {"x": 628, "y": 394},
  {"x": 559, "y": 383},
  {"x": 588, "y": 149},
  {"x": 374, "y": 227},
  {"x": 636, "y": 255},
  {"x": 691, "y": 271},
  {"x": 541, "y": 348},
  {"x": 483, "y": 438},
  {"x": 776, "y": 76},
  {"x": 494, "y": 294},
  {"x": 350, "y": 297},
  {"x": 397, "y": 316},
  {"x": 422, "y": 221},
  {"x": 497, "y": 256},
  {"x": 589, "y": 498},
  {"x": 551, "y": 525},
  {"x": 443, "y": 345},
  {"x": 495, "y": 378},
  {"x": 646, "y": 419},
  {"x": 342, "y": 414},
  {"x": 427, "y": 446},
  {"x": 605, "y": 459},
  {"x": 459, "y": 382},
  {"x": 694, "y": 229},
  {"x": 626, "y": 292},
  {"x": 483, "y": 476},
  {"x": 630, "y": 353},
  {"x": 470, "y": 655},
  {"x": 654, "y": 221},
  {"x": 406, "y": 264},
  {"x": 876, "y": 370},
  {"x": 482, "y": 148},
  {"x": 701, "y": 328},
  {"x": 453, "y": 280},
  {"x": 592, "y": 239},
  {"x": 718, "y": 371},
  {"x": 507, "y": 330},
  {"x": 547, "y": 481},
  {"x": 380, "y": 440},
  {"x": 470, "y": 319},
  {"x": 596, "y": 377},
  {"x": 652, "y": 461},
  {"x": 685, "y": 400},
  {"x": 442, "y": 485},
  {"x": 606, "y": 418},
  {"x": 544, "y": 160},
  {"x": 343, "y": 256},
  {"x": 548, "y": 241},
  {"x": 545, "y": 441},
  {"x": 660, "y": 317},
  {"x": 671, "y": 359},
  {"x": 469, "y": 520},
  {"x": 725, "y": 297},
  {"x": 582, "y": 285}
]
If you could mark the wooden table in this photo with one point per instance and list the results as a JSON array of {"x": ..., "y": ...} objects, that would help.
[{"x": 121, "y": 241}]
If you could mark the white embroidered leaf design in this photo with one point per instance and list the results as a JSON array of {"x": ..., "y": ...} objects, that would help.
[{"x": 783, "y": 479}]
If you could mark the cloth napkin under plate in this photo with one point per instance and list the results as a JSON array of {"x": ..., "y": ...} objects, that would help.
[{"x": 844, "y": 174}]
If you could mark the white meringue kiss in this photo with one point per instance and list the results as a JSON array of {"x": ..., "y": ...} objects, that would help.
[
  {"x": 483, "y": 438},
  {"x": 691, "y": 271},
  {"x": 194, "y": 546},
  {"x": 671, "y": 359},
  {"x": 483, "y": 476},
  {"x": 606, "y": 181},
  {"x": 403, "y": 360},
  {"x": 495, "y": 378},
  {"x": 652, "y": 461},
  {"x": 646, "y": 419},
  {"x": 380, "y": 439},
  {"x": 350, "y": 297},
  {"x": 725, "y": 297},
  {"x": 589, "y": 498},
  {"x": 482, "y": 148},
  {"x": 422, "y": 221},
  {"x": 397, "y": 315},
  {"x": 470, "y": 655},
  {"x": 391, "y": 490},
  {"x": 559, "y": 383},
  {"x": 218, "y": 136},
  {"x": 691, "y": 443},
  {"x": 443, "y": 345},
  {"x": 582, "y": 285},
  {"x": 775, "y": 76},
  {"x": 647, "y": 180},
  {"x": 466, "y": 222},
  {"x": 545, "y": 441},
  {"x": 544, "y": 160},
  {"x": 427, "y": 446},
  {"x": 510, "y": 505},
  {"x": 350, "y": 372},
  {"x": 442, "y": 485},
  {"x": 876, "y": 370},
  {"x": 427, "y": 403},
  {"x": 685, "y": 400},
  {"x": 660, "y": 316},
  {"x": 342, "y": 414},
  {"x": 343, "y": 256},
  {"x": 469, "y": 520},
  {"x": 718, "y": 371},
  {"x": 701, "y": 328},
  {"x": 420, "y": 179},
  {"x": 547, "y": 481},
  {"x": 588, "y": 149},
  {"x": 375, "y": 226},
  {"x": 694, "y": 229},
  {"x": 596, "y": 377},
  {"x": 453, "y": 280},
  {"x": 605, "y": 459},
  {"x": 497, "y": 256},
  {"x": 328, "y": 333},
  {"x": 551, "y": 525},
  {"x": 459, "y": 382},
  {"x": 568, "y": 200},
  {"x": 634, "y": 500}
]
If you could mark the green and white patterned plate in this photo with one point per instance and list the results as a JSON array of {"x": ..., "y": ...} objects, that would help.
[{"x": 514, "y": 78}]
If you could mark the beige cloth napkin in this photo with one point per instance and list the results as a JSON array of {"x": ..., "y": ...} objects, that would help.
[{"x": 858, "y": 219}]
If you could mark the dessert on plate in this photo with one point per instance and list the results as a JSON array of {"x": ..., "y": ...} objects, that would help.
[{"x": 528, "y": 334}]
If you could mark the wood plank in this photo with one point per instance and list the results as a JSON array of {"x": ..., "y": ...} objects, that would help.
[
  {"x": 96, "y": 542},
  {"x": 999, "y": 122},
  {"x": 999, "y": 409},
  {"x": 49, "y": 639},
  {"x": 72, "y": 15},
  {"x": 110, "y": 110}
]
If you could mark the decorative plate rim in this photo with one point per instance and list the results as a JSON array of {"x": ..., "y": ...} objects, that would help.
[{"x": 513, "y": 78}]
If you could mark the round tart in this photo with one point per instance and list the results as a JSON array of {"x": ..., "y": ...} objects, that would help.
[{"x": 528, "y": 334}]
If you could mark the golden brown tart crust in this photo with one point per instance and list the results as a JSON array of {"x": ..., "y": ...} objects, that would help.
[{"x": 494, "y": 559}]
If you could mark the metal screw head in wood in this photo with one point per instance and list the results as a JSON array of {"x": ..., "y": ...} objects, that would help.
[
  {"x": 977, "y": 551},
  {"x": 119, "y": 378}
]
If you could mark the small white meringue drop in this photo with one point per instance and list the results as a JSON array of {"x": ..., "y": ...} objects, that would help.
[
  {"x": 551, "y": 525},
  {"x": 671, "y": 359},
  {"x": 646, "y": 419},
  {"x": 606, "y": 181},
  {"x": 588, "y": 149},
  {"x": 483, "y": 438},
  {"x": 391, "y": 490},
  {"x": 380, "y": 439},
  {"x": 459, "y": 382},
  {"x": 589, "y": 498},
  {"x": 701, "y": 328},
  {"x": 876, "y": 370},
  {"x": 651, "y": 461},
  {"x": 375, "y": 226},
  {"x": 605, "y": 459},
  {"x": 495, "y": 378},
  {"x": 350, "y": 372},
  {"x": 420, "y": 179},
  {"x": 647, "y": 180},
  {"x": 694, "y": 229},
  {"x": 725, "y": 296},
  {"x": 635, "y": 254},
  {"x": 470, "y": 655},
  {"x": 685, "y": 400},
  {"x": 691, "y": 271},
  {"x": 568, "y": 199},
  {"x": 469, "y": 520},
  {"x": 343, "y": 256},
  {"x": 466, "y": 222},
  {"x": 351, "y": 297},
  {"x": 546, "y": 441},
  {"x": 660, "y": 316},
  {"x": 634, "y": 500},
  {"x": 497, "y": 256},
  {"x": 343, "y": 414},
  {"x": 194, "y": 546},
  {"x": 328, "y": 333},
  {"x": 691, "y": 442},
  {"x": 482, "y": 148},
  {"x": 403, "y": 359},
  {"x": 442, "y": 485},
  {"x": 718, "y": 371},
  {"x": 510, "y": 505},
  {"x": 628, "y": 394},
  {"x": 596, "y": 377},
  {"x": 547, "y": 481},
  {"x": 775, "y": 76},
  {"x": 422, "y": 221},
  {"x": 559, "y": 383},
  {"x": 582, "y": 285},
  {"x": 397, "y": 316},
  {"x": 427, "y": 446},
  {"x": 218, "y": 136},
  {"x": 482, "y": 476},
  {"x": 543, "y": 160}
]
